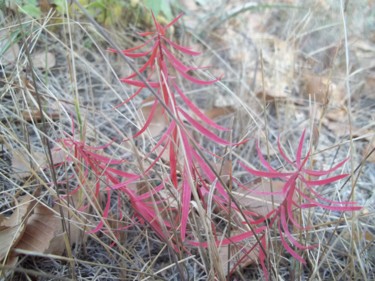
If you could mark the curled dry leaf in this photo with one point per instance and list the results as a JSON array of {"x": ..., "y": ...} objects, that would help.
[
  {"x": 44, "y": 232},
  {"x": 36, "y": 116},
  {"x": 43, "y": 60},
  {"x": 261, "y": 204},
  {"x": 35, "y": 227},
  {"x": 243, "y": 254},
  {"x": 12, "y": 228},
  {"x": 322, "y": 90},
  {"x": 370, "y": 147},
  {"x": 159, "y": 121},
  {"x": 219, "y": 111},
  {"x": 23, "y": 167},
  {"x": 8, "y": 49},
  {"x": 278, "y": 56}
]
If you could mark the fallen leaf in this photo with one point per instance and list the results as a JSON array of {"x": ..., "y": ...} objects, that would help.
[
  {"x": 44, "y": 231},
  {"x": 218, "y": 112},
  {"x": 159, "y": 121},
  {"x": 35, "y": 116},
  {"x": 279, "y": 60},
  {"x": 368, "y": 149},
  {"x": 238, "y": 255},
  {"x": 44, "y": 60},
  {"x": 23, "y": 166},
  {"x": 12, "y": 228},
  {"x": 8, "y": 50},
  {"x": 322, "y": 90},
  {"x": 260, "y": 203}
]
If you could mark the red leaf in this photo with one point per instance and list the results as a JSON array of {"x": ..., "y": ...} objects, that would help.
[
  {"x": 196, "y": 110},
  {"x": 289, "y": 235},
  {"x": 175, "y": 62},
  {"x": 195, "y": 80},
  {"x": 105, "y": 215},
  {"x": 289, "y": 249},
  {"x": 132, "y": 49},
  {"x": 140, "y": 83},
  {"x": 203, "y": 130},
  {"x": 150, "y": 63},
  {"x": 174, "y": 21},
  {"x": 325, "y": 181},
  {"x": 234, "y": 239},
  {"x": 185, "y": 204},
  {"x": 183, "y": 49},
  {"x": 265, "y": 174},
  {"x": 131, "y": 55},
  {"x": 283, "y": 153},
  {"x": 263, "y": 161},
  {"x": 300, "y": 146},
  {"x": 325, "y": 172}
]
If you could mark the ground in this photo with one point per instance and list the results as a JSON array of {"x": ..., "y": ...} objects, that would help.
[{"x": 284, "y": 67}]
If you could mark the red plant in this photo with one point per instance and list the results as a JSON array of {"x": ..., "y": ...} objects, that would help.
[
  {"x": 298, "y": 193},
  {"x": 192, "y": 175},
  {"x": 160, "y": 61}
]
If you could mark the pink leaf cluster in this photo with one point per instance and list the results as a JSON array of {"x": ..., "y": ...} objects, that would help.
[
  {"x": 193, "y": 173},
  {"x": 161, "y": 59},
  {"x": 300, "y": 193}
]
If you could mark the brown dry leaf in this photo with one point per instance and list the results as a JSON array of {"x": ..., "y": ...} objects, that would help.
[
  {"x": 45, "y": 6},
  {"x": 237, "y": 254},
  {"x": 224, "y": 169},
  {"x": 266, "y": 147},
  {"x": 370, "y": 147},
  {"x": 43, "y": 60},
  {"x": 159, "y": 120},
  {"x": 322, "y": 90},
  {"x": 11, "y": 51},
  {"x": 36, "y": 116},
  {"x": 260, "y": 204},
  {"x": 44, "y": 232},
  {"x": 13, "y": 227},
  {"x": 218, "y": 112},
  {"x": 278, "y": 56},
  {"x": 22, "y": 166}
]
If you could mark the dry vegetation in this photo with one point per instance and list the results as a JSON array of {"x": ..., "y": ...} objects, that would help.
[{"x": 288, "y": 66}]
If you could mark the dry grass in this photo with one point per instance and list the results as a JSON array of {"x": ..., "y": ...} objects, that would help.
[{"x": 290, "y": 66}]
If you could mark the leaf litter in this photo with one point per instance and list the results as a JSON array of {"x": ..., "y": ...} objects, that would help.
[{"x": 278, "y": 93}]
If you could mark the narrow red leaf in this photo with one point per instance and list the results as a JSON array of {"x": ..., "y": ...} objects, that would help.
[
  {"x": 173, "y": 146},
  {"x": 300, "y": 147},
  {"x": 289, "y": 235},
  {"x": 132, "y": 49},
  {"x": 196, "y": 110},
  {"x": 283, "y": 153},
  {"x": 234, "y": 239},
  {"x": 203, "y": 130},
  {"x": 105, "y": 215},
  {"x": 263, "y": 173},
  {"x": 104, "y": 159},
  {"x": 148, "y": 120},
  {"x": 144, "y": 34},
  {"x": 263, "y": 161},
  {"x": 130, "y": 54},
  {"x": 150, "y": 63},
  {"x": 130, "y": 98},
  {"x": 289, "y": 249},
  {"x": 197, "y": 81},
  {"x": 325, "y": 172},
  {"x": 185, "y": 204},
  {"x": 325, "y": 181},
  {"x": 174, "y": 21},
  {"x": 183, "y": 49},
  {"x": 174, "y": 61},
  {"x": 140, "y": 83}
]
